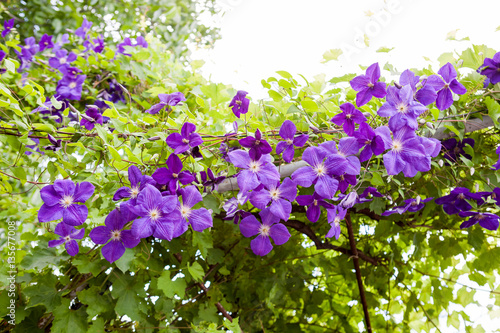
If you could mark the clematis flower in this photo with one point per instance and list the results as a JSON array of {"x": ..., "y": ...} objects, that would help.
[
  {"x": 173, "y": 174},
  {"x": 453, "y": 148},
  {"x": 486, "y": 220},
  {"x": 270, "y": 227},
  {"x": 138, "y": 182},
  {"x": 7, "y": 27},
  {"x": 48, "y": 109},
  {"x": 287, "y": 133},
  {"x": 256, "y": 171},
  {"x": 495, "y": 195},
  {"x": 279, "y": 195},
  {"x": 257, "y": 145},
  {"x": 141, "y": 41},
  {"x": 334, "y": 217},
  {"x": 60, "y": 201},
  {"x": 113, "y": 235},
  {"x": 368, "y": 85},
  {"x": 410, "y": 205},
  {"x": 185, "y": 140},
  {"x": 490, "y": 68},
  {"x": 45, "y": 42},
  {"x": 456, "y": 201},
  {"x": 210, "y": 181},
  {"x": 69, "y": 72},
  {"x": 349, "y": 116},
  {"x": 83, "y": 29},
  {"x": 425, "y": 95},
  {"x": 231, "y": 208},
  {"x": 313, "y": 204},
  {"x": 154, "y": 211},
  {"x": 496, "y": 166},
  {"x": 71, "y": 88},
  {"x": 91, "y": 117},
  {"x": 239, "y": 104},
  {"x": 345, "y": 180},
  {"x": 444, "y": 85},
  {"x": 319, "y": 171},
  {"x": 348, "y": 148},
  {"x": 402, "y": 109},
  {"x": 62, "y": 58},
  {"x": 56, "y": 144},
  {"x": 349, "y": 200},
  {"x": 167, "y": 101},
  {"x": 68, "y": 235},
  {"x": 372, "y": 143},
  {"x": 30, "y": 47},
  {"x": 121, "y": 47}
]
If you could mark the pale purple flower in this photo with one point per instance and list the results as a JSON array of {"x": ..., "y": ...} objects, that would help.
[
  {"x": 280, "y": 197},
  {"x": 349, "y": 116},
  {"x": 239, "y": 104},
  {"x": 313, "y": 204},
  {"x": 372, "y": 143},
  {"x": 287, "y": 133},
  {"x": 68, "y": 235},
  {"x": 445, "y": 84},
  {"x": 62, "y": 58},
  {"x": 199, "y": 219},
  {"x": 368, "y": 85},
  {"x": 490, "y": 68},
  {"x": 185, "y": 140},
  {"x": 167, "y": 100},
  {"x": 334, "y": 217},
  {"x": 425, "y": 95},
  {"x": 7, "y": 27},
  {"x": 45, "y": 42},
  {"x": 71, "y": 88},
  {"x": 348, "y": 148},
  {"x": 256, "y": 171},
  {"x": 402, "y": 109},
  {"x": 83, "y": 29}
]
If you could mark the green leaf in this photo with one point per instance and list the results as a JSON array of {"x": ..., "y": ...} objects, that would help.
[
  {"x": 48, "y": 128},
  {"x": 42, "y": 258},
  {"x": 332, "y": 54},
  {"x": 124, "y": 262},
  {"x": 55, "y": 102},
  {"x": 196, "y": 271},
  {"x": 309, "y": 105},
  {"x": 233, "y": 326},
  {"x": 493, "y": 109},
  {"x": 276, "y": 96},
  {"x": 454, "y": 130},
  {"x": 9, "y": 64},
  {"x": 67, "y": 320},
  {"x": 385, "y": 49},
  {"x": 96, "y": 302},
  {"x": 377, "y": 179},
  {"x": 169, "y": 287}
]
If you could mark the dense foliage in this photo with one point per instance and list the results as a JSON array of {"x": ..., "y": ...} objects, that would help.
[{"x": 137, "y": 196}]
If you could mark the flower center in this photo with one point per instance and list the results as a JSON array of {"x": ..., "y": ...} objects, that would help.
[
  {"x": 238, "y": 102},
  {"x": 289, "y": 141},
  {"x": 320, "y": 170},
  {"x": 254, "y": 166},
  {"x": 341, "y": 177},
  {"x": 264, "y": 230},
  {"x": 337, "y": 221},
  {"x": 348, "y": 116},
  {"x": 446, "y": 85},
  {"x": 72, "y": 85},
  {"x": 67, "y": 238},
  {"x": 175, "y": 175},
  {"x": 367, "y": 142},
  {"x": 370, "y": 85},
  {"x": 115, "y": 235},
  {"x": 185, "y": 211},
  {"x": 62, "y": 61},
  {"x": 66, "y": 201},
  {"x": 154, "y": 214},
  {"x": 315, "y": 202},
  {"x": 414, "y": 203},
  {"x": 185, "y": 140},
  {"x": 456, "y": 150},
  {"x": 134, "y": 192},
  {"x": 275, "y": 194},
  {"x": 402, "y": 108},
  {"x": 257, "y": 142},
  {"x": 479, "y": 216},
  {"x": 461, "y": 196},
  {"x": 397, "y": 146}
]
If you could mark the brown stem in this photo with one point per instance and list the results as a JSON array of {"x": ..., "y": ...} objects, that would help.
[{"x": 358, "y": 272}]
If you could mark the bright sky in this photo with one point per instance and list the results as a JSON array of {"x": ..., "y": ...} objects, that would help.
[{"x": 260, "y": 37}]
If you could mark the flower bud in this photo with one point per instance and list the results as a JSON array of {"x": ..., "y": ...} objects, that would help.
[
  {"x": 418, "y": 199},
  {"x": 460, "y": 63},
  {"x": 476, "y": 187},
  {"x": 480, "y": 54},
  {"x": 154, "y": 138},
  {"x": 349, "y": 200},
  {"x": 429, "y": 125},
  {"x": 472, "y": 170},
  {"x": 367, "y": 114},
  {"x": 421, "y": 120},
  {"x": 440, "y": 163}
]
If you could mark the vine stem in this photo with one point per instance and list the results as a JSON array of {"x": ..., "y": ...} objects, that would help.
[{"x": 355, "y": 258}]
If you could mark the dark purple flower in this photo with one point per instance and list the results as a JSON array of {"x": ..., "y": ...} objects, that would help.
[
  {"x": 345, "y": 180},
  {"x": 114, "y": 92},
  {"x": 402, "y": 108},
  {"x": 58, "y": 45},
  {"x": 49, "y": 110},
  {"x": 270, "y": 227},
  {"x": 69, "y": 72},
  {"x": 45, "y": 42},
  {"x": 168, "y": 101},
  {"x": 173, "y": 174},
  {"x": 98, "y": 44},
  {"x": 349, "y": 116},
  {"x": 425, "y": 95},
  {"x": 56, "y": 144},
  {"x": 280, "y": 197},
  {"x": 491, "y": 68},
  {"x": 62, "y": 58},
  {"x": 410, "y": 205},
  {"x": 71, "y": 88},
  {"x": 334, "y": 217},
  {"x": 7, "y": 27},
  {"x": 67, "y": 234},
  {"x": 496, "y": 166},
  {"x": 319, "y": 171},
  {"x": 60, "y": 202},
  {"x": 348, "y": 148},
  {"x": 2, "y": 55},
  {"x": 495, "y": 195},
  {"x": 83, "y": 29},
  {"x": 370, "y": 190},
  {"x": 368, "y": 85},
  {"x": 453, "y": 149},
  {"x": 138, "y": 182},
  {"x": 257, "y": 145},
  {"x": 486, "y": 220},
  {"x": 373, "y": 143},
  {"x": 239, "y": 104},
  {"x": 210, "y": 181},
  {"x": 287, "y": 133},
  {"x": 313, "y": 204},
  {"x": 91, "y": 117},
  {"x": 456, "y": 201},
  {"x": 113, "y": 234},
  {"x": 256, "y": 171},
  {"x": 444, "y": 85},
  {"x": 185, "y": 140}
]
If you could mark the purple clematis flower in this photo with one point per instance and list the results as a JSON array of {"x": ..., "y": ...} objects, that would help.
[
  {"x": 334, "y": 217},
  {"x": 71, "y": 88},
  {"x": 496, "y": 166},
  {"x": 345, "y": 180},
  {"x": 141, "y": 41},
  {"x": 45, "y": 42},
  {"x": 495, "y": 195},
  {"x": 257, "y": 145},
  {"x": 373, "y": 143},
  {"x": 319, "y": 171},
  {"x": 113, "y": 235},
  {"x": 168, "y": 101},
  {"x": 62, "y": 58},
  {"x": 313, "y": 204},
  {"x": 453, "y": 148},
  {"x": 256, "y": 171},
  {"x": 270, "y": 227},
  {"x": 287, "y": 133},
  {"x": 121, "y": 47},
  {"x": 185, "y": 140},
  {"x": 410, "y": 205},
  {"x": 138, "y": 182},
  {"x": 231, "y": 208},
  {"x": 486, "y": 220},
  {"x": 60, "y": 202},
  {"x": 67, "y": 234},
  {"x": 173, "y": 174},
  {"x": 368, "y": 85},
  {"x": 56, "y": 144},
  {"x": 155, "y": 212},
  {"x": 30, "y": 47},
  {"x": 280, "y": 195},
  {"x": 210, "y": 181},
  {"x": 402, "y": 108},
  {"x": 349, "y": 116},
  {"x": 348, "y": 147},
  {"x": 490, "y": 68},
  {"x": 83, "y": 29},
  {"x": 444, "y": 85},
  {"x": 456, "y": 201},
  {"x": 91, "y": 117},
  {"x": 239, "y": 104},
  {"x": 69, "y": 72},
  {"x": 425, "y": 95},
  {"x": 7, "y": 27}
]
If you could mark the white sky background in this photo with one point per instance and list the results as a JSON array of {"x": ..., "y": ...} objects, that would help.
[{"x": 260, "y": 37}]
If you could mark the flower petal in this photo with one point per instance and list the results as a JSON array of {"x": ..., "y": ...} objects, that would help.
[
  {"x": 75, "y": 214},
  {"x": 100, "y": 234},
  {"x": 261, "y": 245},
  {"x": 50, "y": 213},
  {"x": 200, "y": 219},
  {"x": 113, "y": 251},
  {"x": 72, "y": 248},
  {"x": 249, "y": 226},
  {"x": 279, "y": 233}
]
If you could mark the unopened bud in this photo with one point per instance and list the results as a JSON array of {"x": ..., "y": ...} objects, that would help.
[
  {"x": 429, "y": 125},
  {"x": 423, "y": 77},
  {"x": 472, "y": 170},
  {"x": 480, "y": 54},
  {"x": 460, "y": 63},
  {"x": 54, "y": 117},
  {"x": 398, "y": 85},
  {"x": 367, "y": 114},
  {"x": 421, "y": 120},
  {"x": 154, "y": 138},
  {"x": 418, "y": 199},
  {"x": 84, "y": 116},
  {"x": 476, "y": 187},
  {"x": 95, "y": 197},
  {"x": 487, "y": 181},
  {"x": 155, "y": 156},
  {"x": 440, "y": 163},
  {"x": 314, "y": 128},
  {"x": 418, "y": 85},
  {"x": 349, "y": 200}
]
